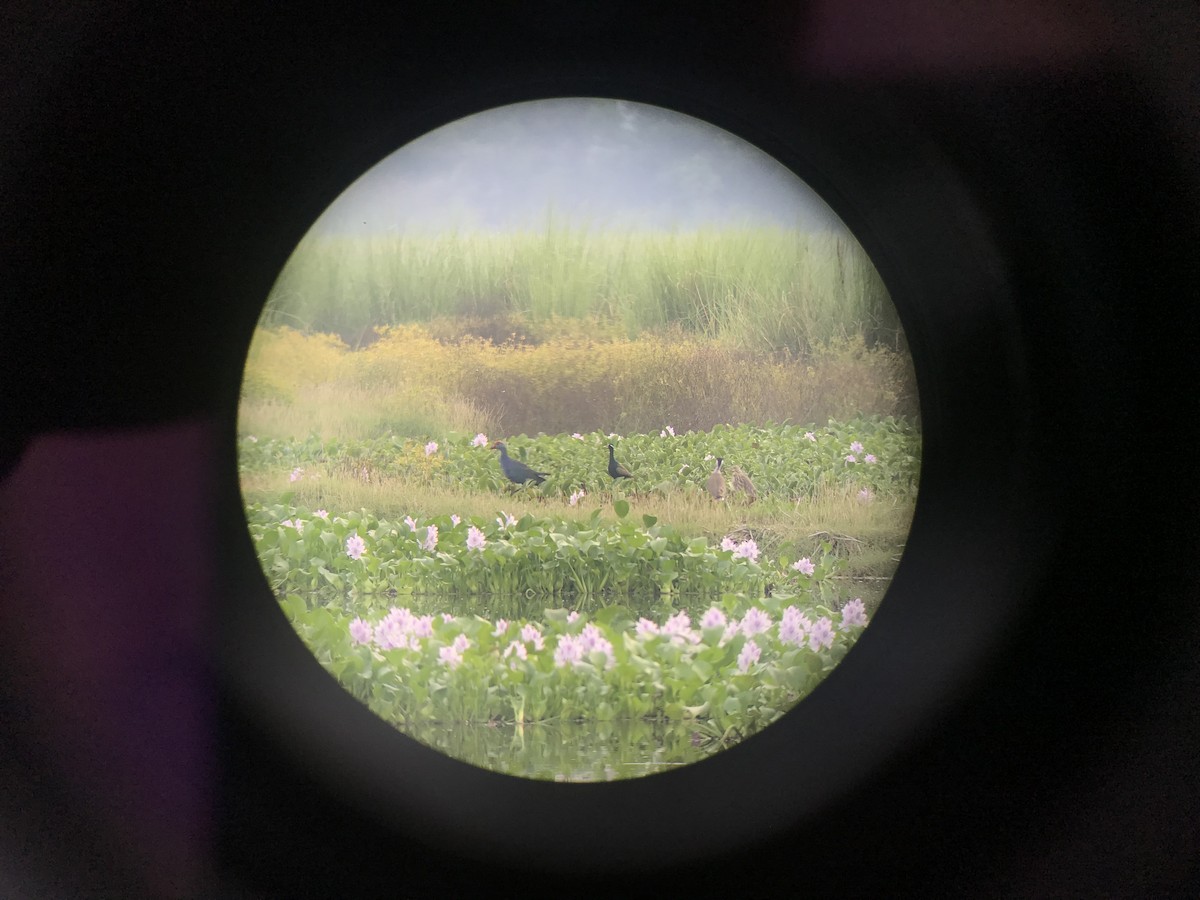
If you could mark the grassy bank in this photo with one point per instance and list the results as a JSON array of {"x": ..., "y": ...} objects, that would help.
[
  {"x": 752, "y": 287},
  {"x": 411, "y": 382},
  {"x": 811, "y": 498}
]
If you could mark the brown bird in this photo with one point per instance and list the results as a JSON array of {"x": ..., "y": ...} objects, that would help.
[
  {"x": 742, "y": 482},
  {"x": 716, "y": 482}
]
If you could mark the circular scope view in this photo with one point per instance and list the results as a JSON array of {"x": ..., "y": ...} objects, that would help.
[{"x": 578, "y": 440}]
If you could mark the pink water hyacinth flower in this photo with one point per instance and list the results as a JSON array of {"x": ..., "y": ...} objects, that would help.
[
  {"x": 793, "y": 627},
  {"x": 447, "y": 618},
  {"x": 755, "y": 621},
  {"x": 461, "y": 643},
  {"x": 321, "y": 514},
  {"x": 361, "y": 632},
  {"x": 577, "y": 436},
  {"x": 679, "y": 628},
  {"x": 728, "y": 543},
  {"x": 865, "y": 495},
  {"x": 391, "y": 635},
  {"x": 856, "y": 447},
  {"x": 714, "y": 618},
  {"x": 454, "y": 520},
  {"x": 400, "y": 619},
  {"x": 481, "y": 439},
  {"x": 423, "y": 627},
  {"x": 451, "y": 656},
  {"x": 431, "y": 448},
  {"x": 732, "y": 627},
  {"x": 870, "y": 458},
  {"x": 411, "y": 523},
  {"x": 475, "y": 539},
  {"x": 810, "y": 436},
  {"x": 355, "y": 546},
  {"x": 518, "y": 648},
  {"x": 804, "y": 566},
  {"x": 645, "y": 628},
  {"x": 287, "y": 523},
  {"x": 505, "y": 519},
  {"x": 533, "y": 635},
  {"x": 667, "y": 431},
  {"x": 568, "y": 652},
  {"x": 296, "y": 475},
  {"x": 501, "y": 627},
  {"x": 746, "y": 550},
  {"x": 431, "y": 539},
  {"x": 854, "y": 614},
  {"x": 748, "y": 657},
  {"x": 594, "y": 640},
  {"x": 573, "y": 616},
  {"x": 850, "y": 458},
  {"x": 577, "y": 496},
  {"x": 821, "y": 634}
]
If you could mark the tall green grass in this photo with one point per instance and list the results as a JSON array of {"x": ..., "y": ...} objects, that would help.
[{"x": 756, "y": 287}]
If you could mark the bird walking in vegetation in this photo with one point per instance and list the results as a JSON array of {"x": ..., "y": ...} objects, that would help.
[
  {"x": 716, "y": 482},
  {"x": 741, "y": 482},
  {"x": 615, "y": 469},
  {"x": 515, "y": 470}
]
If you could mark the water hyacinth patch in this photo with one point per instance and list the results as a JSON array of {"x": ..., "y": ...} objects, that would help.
[
  {"x": 786, "y": 461},
  {"x": 518, "y": 564},
  {"x": 605, "y": 667}
]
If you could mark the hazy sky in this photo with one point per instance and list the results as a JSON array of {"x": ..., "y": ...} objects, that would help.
[{"x": 604, "y": 163}]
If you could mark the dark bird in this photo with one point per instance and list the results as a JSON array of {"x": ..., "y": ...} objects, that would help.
[
  {"x": 716, "y": 482},
  {"x": 515, "y": 470},
  {"x": 742, "y": 482},
  {"x": 615, "y": 469}
]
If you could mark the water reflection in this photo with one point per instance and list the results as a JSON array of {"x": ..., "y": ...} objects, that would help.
[{"x": 572, "y": 751}]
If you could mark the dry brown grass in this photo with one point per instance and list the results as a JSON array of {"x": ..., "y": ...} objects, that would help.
[{"x": 409, "y": 383}]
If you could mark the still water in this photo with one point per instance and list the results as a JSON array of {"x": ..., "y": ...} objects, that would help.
[{"x": 572, "y": 751}]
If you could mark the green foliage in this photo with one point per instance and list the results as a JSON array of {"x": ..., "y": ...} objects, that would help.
[
  {"x": 756, "y": 286},
  {"x": 469, "y": 669},
  {"x": 521, "y": 566},
  {"x": 781, "y": 459}
]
